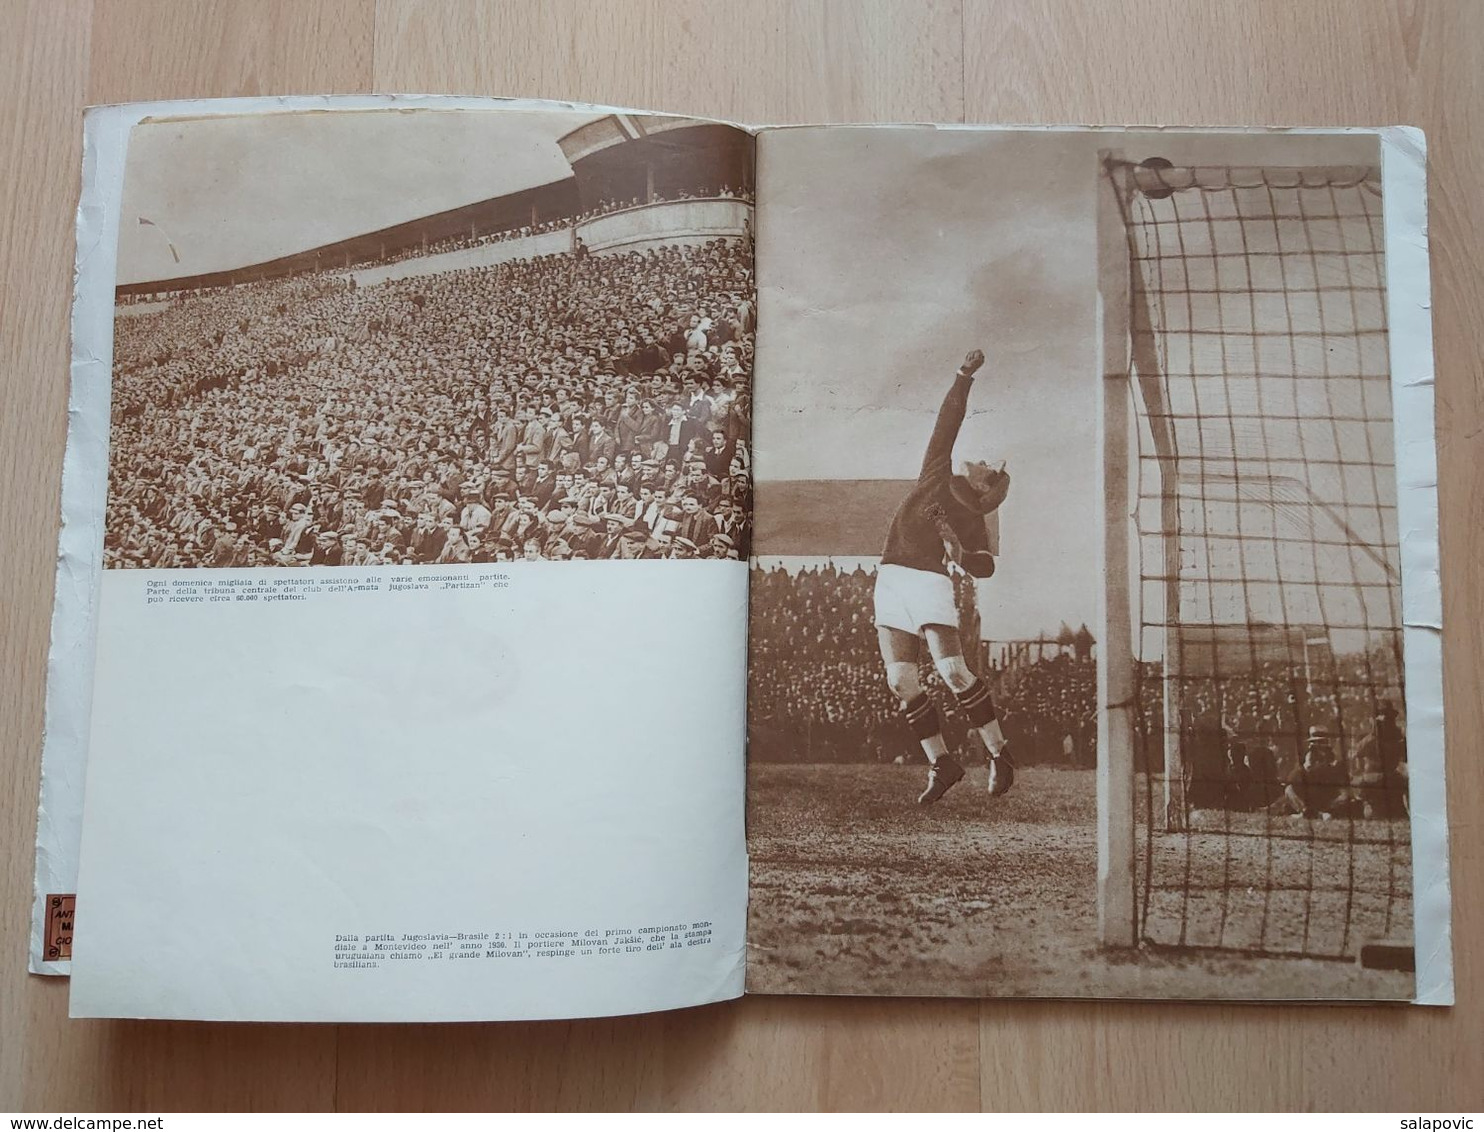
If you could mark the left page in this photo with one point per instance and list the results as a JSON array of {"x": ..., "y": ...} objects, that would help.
[{"x": 420, "y": 629}]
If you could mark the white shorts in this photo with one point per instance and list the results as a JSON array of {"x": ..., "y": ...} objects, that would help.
[{"x": 908, "y": 599}]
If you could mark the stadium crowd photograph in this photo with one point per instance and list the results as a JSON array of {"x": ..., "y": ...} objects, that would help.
[{"x": 577, "y": 404}]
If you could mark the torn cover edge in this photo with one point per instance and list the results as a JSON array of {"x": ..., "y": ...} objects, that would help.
[{"x": 69, "y": 662}]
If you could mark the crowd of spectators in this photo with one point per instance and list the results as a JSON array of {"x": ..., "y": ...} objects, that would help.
[
  {"x": 817, "y": 694},
  {"x": 606, "y": 205},
  {"x": 464, "y": 240},
  {"x": 562, "y": 407},
  {"x": 477, "y": 239},
  {"x": 1277, "y": 734},
  {"x": 815, "y": 690}
]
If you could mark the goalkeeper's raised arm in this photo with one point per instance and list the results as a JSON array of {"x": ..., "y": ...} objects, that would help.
[
  {"x": 937, "y": 463},
  {"x": 916, "y": 537}
]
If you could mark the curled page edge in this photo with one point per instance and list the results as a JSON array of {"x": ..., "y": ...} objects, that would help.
[{"x": 1409, "y": 316}]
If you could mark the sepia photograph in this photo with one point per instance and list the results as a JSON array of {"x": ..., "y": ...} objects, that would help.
[
  {"x": 432, "y": 337},
  {"x": 1076, "y": 636}
]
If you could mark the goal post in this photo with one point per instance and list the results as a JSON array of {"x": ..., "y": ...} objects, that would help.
[
  {"x": 1153, "y": 413},
  {"x": 1117, "y": 903},
  {"x": 1131, "y": 400},
  {"x": 1250, "y": 596}
]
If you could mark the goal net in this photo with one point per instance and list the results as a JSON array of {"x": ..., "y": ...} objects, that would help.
[{"x": 1252, "y": 789}]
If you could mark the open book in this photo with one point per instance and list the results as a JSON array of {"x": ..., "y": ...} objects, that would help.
[{"x": 531, "y": 560}]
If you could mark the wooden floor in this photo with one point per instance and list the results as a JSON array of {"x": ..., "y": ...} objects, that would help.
[{"x": 1307, "y": 62}]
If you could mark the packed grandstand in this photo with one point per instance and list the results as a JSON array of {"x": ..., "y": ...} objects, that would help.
[
  {"x": 817, "y": 694},
  {"x": 538, "y": 404},
  {"x": 527, "y": 396}
]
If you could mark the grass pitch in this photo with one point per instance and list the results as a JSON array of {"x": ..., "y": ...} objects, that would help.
[{"x": 857, "y": 890}]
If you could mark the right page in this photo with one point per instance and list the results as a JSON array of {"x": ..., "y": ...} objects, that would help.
[{"x": 1095, "y": 635}]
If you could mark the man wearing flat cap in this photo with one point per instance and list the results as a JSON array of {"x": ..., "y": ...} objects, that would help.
[
  {"x": 588, "y": 539},
  {"x": 474, "y": 517}
]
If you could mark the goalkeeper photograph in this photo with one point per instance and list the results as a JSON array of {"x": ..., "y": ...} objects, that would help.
[{"x": 1137, "y": 724}]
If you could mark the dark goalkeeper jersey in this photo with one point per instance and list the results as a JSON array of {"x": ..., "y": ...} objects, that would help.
[{"x": 913, "y": 539}]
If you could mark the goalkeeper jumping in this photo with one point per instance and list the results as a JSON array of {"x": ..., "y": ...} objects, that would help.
[{"x": 937, "y": 532}]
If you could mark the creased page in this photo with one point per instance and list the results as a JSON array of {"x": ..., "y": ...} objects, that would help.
[
  {"x": 420, "y": 654},
  {"x": 1094, "y": 610}
]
